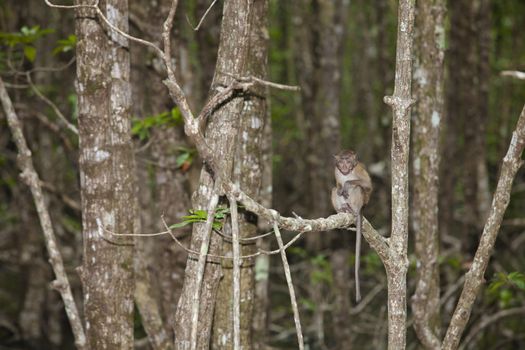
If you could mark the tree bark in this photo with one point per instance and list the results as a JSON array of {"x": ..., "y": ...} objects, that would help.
[
  {"x": 247, "y": 174},
  {"x": 397, "y": 263},
  {"x": 164, "y": 187},
  {"x": 220, "y": 136},
  {"x": 106, "y": 175},
  {"x": 428, "y": 86}
]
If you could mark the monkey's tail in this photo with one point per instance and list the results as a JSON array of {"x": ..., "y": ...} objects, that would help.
[{"x": 359, "y": 227}]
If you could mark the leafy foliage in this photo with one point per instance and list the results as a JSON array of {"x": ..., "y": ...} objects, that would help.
[
  {"x": 141, "y": 127},
  {"x": 185, "y": 158},
  {"x": 65, "y": 45},
  {"x": 201, "y": 216},
  {"x": 505, "y": 286},
  {"x": 322, "y": 271},
  {"x": 25, "y": 39}
]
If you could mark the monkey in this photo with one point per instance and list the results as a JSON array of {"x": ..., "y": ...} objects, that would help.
[{"x": 351, "y": 194}]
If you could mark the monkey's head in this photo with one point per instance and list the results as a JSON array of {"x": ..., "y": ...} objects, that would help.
[{"x": 345, "y": 161}]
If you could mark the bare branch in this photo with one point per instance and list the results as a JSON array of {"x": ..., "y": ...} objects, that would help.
[
  {"x": 514, "y": 74},
  {"x": 30, "y": 177},
  {"x": 50, "y": 103},
  {"x": 474, "y": 277},
  {"x": 202, "y": 18},
  {"x": 236, "y": 275},
  {"x": 201, "y": 264},
  {"x": 488, "y": 320},
  {"x": 109, "y": 24},
  {"x": 341, "y": 220},
  {"x": 291, "y": 290}
]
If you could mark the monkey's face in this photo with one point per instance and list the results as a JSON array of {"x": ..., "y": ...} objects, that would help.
[{"x": 346, "y": 161}]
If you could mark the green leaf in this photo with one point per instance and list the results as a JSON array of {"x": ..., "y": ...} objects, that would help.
[
  {"x": 179, "y": 225},
  {"x": 518, "y": 279},
  {"x": 201, "y": 216},
  {"x": 182, "y": 158},
  {"x": 30, "y": 53},
  {"x": 65, "y": 45},
  {"x": 300, "y": 252},
  {"x": 308, "y": 304}
]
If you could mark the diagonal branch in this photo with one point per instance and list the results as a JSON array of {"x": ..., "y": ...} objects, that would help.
[
  {"x": 30, "y": 177},
  {"x": 474, "y": 277},
  {"x": 291, "y": 290}
]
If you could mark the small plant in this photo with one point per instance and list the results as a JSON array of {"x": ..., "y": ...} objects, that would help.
[{"x": 201, "y": 216}]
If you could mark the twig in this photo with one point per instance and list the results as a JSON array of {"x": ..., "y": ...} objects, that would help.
[
  {"x": 51, "y": 104},
  {"x": 30, "y": 177},
  {"x": 367, "y": 299},
  {"x": 109, "y": 24},
  {"x": 201, "y": 264},
  {"x": 474, "y": 277},
  {"x": 288, "y": 275},
  {"x": 514, "y": 74},
  {"x": 252, "y": 79},
  {"x": 488, "y": 320},
  {"x": 70, "y": 202},
  {"x": 202, "y": 18},
  {"x": 236, "y": 275},
  {"x": 193, "y": 252}
]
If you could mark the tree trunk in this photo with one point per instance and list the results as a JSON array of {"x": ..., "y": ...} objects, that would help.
[
  {"x": 397, "y": 263},
  {"x": 107, "y": 176},
  {"x": 221, "y": 132},
  {"x": 247, "y": 174},
  {"x": 428, "y": 90},
  {"x": 467, "y": 112}
]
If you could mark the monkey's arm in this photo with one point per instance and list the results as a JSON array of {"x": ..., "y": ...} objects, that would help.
[{"x": 362, "y": 178}]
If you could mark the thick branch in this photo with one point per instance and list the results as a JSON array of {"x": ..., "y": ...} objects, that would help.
[
  {"x": 30, "y": 177},
  {"x": 474, "y": 277},
  {"x": 341, "y": 220},
  {"x": 397, "y": 264}
]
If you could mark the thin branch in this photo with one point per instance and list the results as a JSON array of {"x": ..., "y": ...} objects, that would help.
[
  {"x": 367, "y": 299},
  {"x": 341, "y": 220},
  {"x": 291, "y": 290},
  {"x": 109, "y": 24},
  {"x": 201, "y": 264},
  {"x": 70, "y": 202},
  {"x": 488, "y": 320},
  {"x": 474, "y": 277},
  {"x": 252, "y": 79},
  {"x": 202, "y": 18},
  {"x": 193, "y": 252},
  {"x": 30, "y": 177},
  {"x": 166, "y": 35},
  {"x": 514, "y": 74},
  {"x": 50, "y": 103},
  {"x": 236, "y": 275}
]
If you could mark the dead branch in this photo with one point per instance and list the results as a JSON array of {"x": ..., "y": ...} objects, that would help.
[
  {"x": 291, "y": 290},
  {"x": 474, "y": 277},
  {"x": 30, "y": 177}
]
